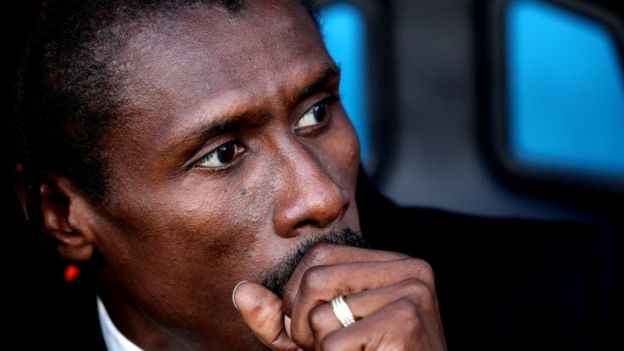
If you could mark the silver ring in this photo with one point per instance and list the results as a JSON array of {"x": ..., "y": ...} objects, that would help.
[{"x": 342, "y": 311}]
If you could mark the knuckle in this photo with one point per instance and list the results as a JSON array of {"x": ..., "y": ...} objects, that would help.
[
  {"x": 407, "y": 309},
  {"x": 416, "y": 287},
  {"x": 407, "y": 312},
  {"x": 313, "y": 279},
  {"x": 318, "y": 253},
  {"x": 317, "y": 317},
  {"x": 423, "y": 270},
  {"x": 421, "y": 293}
]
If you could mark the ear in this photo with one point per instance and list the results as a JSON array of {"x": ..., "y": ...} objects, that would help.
[{"x": 66, "y": 215}]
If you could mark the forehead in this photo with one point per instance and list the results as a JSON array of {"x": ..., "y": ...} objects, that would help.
[
  {"x": 185, "y": 71},
  {"x": 269, "y": 45}
]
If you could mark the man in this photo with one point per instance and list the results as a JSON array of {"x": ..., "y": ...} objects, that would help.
[
  {"x": 221, "y": 154},
  {"x": 194, "y": 159}
]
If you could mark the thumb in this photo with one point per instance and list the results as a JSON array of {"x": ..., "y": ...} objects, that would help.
[{"x": 262, "y": 312}]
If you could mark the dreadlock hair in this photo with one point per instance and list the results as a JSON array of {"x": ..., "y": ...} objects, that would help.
[{"x": 68, "y": 89}]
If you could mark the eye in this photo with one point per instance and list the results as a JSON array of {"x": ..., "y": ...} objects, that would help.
[
  {"x": 316, "y": 115},
  {"x": 221, "y": 156}
]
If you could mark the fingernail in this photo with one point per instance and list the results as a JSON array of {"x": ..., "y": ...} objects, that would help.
[
  {"x": 287, "y": 325},
  {"x": 234, "y": 291}
]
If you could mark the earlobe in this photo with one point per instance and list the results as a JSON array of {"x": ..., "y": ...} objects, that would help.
[
  {"x": 76, "y": 253},
  {"x": 62, "y": 208}
]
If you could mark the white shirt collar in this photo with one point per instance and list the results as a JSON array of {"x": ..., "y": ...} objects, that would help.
[{"x": 113, "y": 338}]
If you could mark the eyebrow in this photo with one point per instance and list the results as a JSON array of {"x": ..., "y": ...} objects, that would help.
[
  {"x": 326, "y": 76},
  {"x": 236, "y": 122}
]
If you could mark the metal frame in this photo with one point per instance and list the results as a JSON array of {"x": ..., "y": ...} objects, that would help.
[{"x": 492, "y": 90}]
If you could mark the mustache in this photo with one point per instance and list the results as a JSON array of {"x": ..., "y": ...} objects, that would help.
[{"x": 275, "y": 278}]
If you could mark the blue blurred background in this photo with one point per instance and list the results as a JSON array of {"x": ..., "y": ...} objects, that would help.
[
  {"x": 566, "y": 90},
  {"x": 499, "y": 108}
]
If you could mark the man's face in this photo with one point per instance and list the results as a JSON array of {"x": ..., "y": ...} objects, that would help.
[{"x": 236, "y": 154}]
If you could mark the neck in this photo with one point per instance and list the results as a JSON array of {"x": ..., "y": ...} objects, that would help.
[
  {"x": 149, "y": 334},
  {"x": 136, "y": 325}
]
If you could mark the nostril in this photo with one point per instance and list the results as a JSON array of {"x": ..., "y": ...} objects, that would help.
[
  {"x": 345, "y": 207},
  {"x": 309, "y": 222},
  {"x": 323, "y": 218}
]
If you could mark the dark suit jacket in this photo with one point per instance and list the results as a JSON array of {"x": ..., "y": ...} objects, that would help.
[
  {"x": 511, "y": 284},
  {"x": 502, "y": 284}
]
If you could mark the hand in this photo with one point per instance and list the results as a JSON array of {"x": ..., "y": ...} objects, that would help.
[{"x": 392, "y": 297}]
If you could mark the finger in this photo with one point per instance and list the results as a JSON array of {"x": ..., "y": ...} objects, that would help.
[
  {"x": 363, "y": 304},
  {"x": 330, "y": 254},
  {"x": 262, "y": 312},
  {"x": 320, "y": 284},
  {"x": 400, "y": 325}
]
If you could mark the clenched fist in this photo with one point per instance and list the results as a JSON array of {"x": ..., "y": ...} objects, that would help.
[{"x": 392, "y": 297}]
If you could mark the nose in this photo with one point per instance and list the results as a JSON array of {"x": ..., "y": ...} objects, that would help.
[{"x": 309, "y": 198}]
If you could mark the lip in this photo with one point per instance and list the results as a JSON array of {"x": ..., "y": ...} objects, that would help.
[{"x": 279, "y": 275}]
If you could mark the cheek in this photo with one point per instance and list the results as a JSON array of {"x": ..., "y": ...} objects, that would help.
[
  {"x": 178, "y": 249},
  {"x": 187, "y": 252},
  {"x": 205, "y": 229},
  {"x": 341, "y": 152}
]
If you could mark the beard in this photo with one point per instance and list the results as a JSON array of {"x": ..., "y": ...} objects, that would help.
[{"x": 275, "y": 278}]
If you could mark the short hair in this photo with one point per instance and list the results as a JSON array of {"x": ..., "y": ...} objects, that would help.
[{"x": 66, "y": 91}]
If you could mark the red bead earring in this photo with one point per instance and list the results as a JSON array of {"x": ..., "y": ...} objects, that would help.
[{"x": 71, "y": 273}]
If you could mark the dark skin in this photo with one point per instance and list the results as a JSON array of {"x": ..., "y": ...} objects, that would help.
[{"x": 236, "y": 152}]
